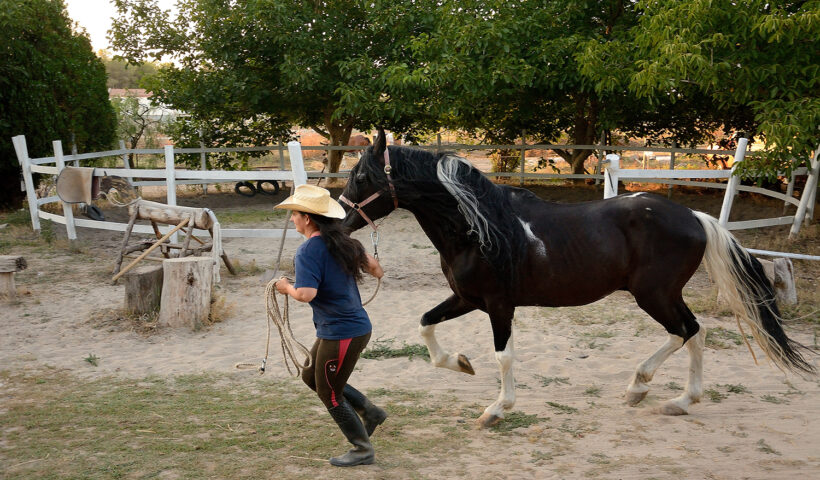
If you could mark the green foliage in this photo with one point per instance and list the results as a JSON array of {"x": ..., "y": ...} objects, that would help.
[
  {"x": 750, "y": 54},
  {"x": 52, "y": 87},
  {"x": 275, "y": 63},
  {"x": 123, "y": 75}
]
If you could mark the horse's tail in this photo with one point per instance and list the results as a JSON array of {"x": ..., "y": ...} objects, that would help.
[{"x": 741, "y": 280}]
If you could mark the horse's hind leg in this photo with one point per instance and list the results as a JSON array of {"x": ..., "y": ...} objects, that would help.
[
  {"x": 450, "y": 308},
  {"x": 682, "y": 327},
  {"x": 694, "y": 384},
  {"x": 639, "y": 386}
]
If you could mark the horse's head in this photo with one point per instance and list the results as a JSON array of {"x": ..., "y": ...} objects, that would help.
[{"x": 369, "y": 193}]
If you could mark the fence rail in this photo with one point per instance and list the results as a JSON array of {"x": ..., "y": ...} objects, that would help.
[{"x": 170, "y": 177}]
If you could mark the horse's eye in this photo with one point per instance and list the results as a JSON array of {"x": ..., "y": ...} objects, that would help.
[{"x": 360, "y": 177}]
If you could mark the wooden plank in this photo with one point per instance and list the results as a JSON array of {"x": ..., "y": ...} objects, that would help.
[{"x": 763, "y": 222}]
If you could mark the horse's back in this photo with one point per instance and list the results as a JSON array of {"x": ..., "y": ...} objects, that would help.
[{"x": 606, "y": 245}]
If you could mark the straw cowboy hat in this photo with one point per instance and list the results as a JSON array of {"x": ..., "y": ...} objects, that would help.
[{"x": 313, "y": 199}]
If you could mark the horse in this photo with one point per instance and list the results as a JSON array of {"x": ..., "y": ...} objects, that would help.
[{"x": 502, "y": 247}]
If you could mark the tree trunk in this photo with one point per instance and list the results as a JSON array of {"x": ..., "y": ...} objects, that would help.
[
  {"x": 339, "y": 134},
  {"x": 186, "y": 292},
  {"x": 583, "y": 132},
  {"x": 143, "y": 289}
]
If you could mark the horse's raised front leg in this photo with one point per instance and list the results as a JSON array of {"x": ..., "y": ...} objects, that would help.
[
  {"x": 450, "y": 308},
  {"x": 504, "y": 354}
]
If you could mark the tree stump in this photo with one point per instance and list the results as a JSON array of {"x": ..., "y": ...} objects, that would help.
[
  {"x": 9, "y": 264},
  {"x": 186, "y": 292},
  {"x": 143, "y": 289}
]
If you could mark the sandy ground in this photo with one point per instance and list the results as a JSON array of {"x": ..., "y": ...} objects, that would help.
[{"x": 573, "y": 357}]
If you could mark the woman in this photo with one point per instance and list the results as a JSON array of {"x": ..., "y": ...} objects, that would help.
[{"x": 327, "y": 267}]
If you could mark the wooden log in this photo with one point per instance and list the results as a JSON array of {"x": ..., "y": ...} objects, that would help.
[
  {"x": 12, "y": 263},
  {"x": 7, "y": 287},
  {"x": 9, "y": 264},
  {"x": 170, "y": 214},
  {"x": 186, "y": 292},
  {"x": 143, "y": 289}
]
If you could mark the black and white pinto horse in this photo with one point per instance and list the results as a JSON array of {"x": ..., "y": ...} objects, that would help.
[{"x": 502, "y": 247}]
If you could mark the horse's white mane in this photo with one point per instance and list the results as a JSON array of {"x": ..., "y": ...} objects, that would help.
[{"x": 447, "y": 172}]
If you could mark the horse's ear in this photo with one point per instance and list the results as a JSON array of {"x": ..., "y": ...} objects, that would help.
[{"x": 380, "y": 145}]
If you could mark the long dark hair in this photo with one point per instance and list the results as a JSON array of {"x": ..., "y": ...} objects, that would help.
[{"x": 347, "y": 251}]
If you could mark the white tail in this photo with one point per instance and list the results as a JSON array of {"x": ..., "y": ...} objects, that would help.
[{"x": 741, "y": 280}]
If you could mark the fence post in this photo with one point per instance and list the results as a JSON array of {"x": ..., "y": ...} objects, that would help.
[
  {"x": 170, "y": 182},
  {"x": 70, "y": 229},
  {"x": 808, "y": 195},
  {"x": 125, "y": 162},
  {"x": 734, "y": 181},
  {"x": 672, "y": 165},
  {"x": 74, "y": 151},
  {"x": 297, "y": 165},
  {"x": 523, "y": 155},
  {"x": 438, "y": 143},
  {"x": 600, "y": 153},
  {"x": 22, "y": 156},
  {"x": 281, "y": 155},
  {"x": 203, "y": 161},
  {"x": 611, "y": 174}
]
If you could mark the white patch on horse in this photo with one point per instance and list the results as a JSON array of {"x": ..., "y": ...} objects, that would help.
[
  {"x": 648, "y": 209},
  {"x": 539, "y": 244},
  {"x": 635, "y": 195}
]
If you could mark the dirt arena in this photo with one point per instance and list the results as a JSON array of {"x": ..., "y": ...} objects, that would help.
[{"x": 572, "y": 368}]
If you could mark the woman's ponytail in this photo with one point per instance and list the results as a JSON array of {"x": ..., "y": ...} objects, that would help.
[{"x": 346, "y": 250}]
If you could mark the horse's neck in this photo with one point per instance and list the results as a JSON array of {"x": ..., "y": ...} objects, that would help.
[{"x": 433, "y": 223}]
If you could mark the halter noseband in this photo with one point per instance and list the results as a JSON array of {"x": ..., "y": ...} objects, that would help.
[{"x": 358, "y": 206}]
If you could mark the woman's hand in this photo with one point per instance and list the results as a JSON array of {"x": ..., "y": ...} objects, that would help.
[
  {"x": 282, "y": 285},
  {"x": 302, "y": 294},
  {"x": 373, "y": 267}
]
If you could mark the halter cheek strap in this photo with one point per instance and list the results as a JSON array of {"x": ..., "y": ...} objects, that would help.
[{"x": 358, "y": 206}]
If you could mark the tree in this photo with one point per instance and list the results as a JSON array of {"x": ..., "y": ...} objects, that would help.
[
  {"x": 135, "y": 124},
  {"x": 311, "y": 63},
  {"x": 52, "y": 86},
  {"x": 550, "y": 68},
  {"x": 752, "y": 54},
  {"x": 123, "y": 75}
]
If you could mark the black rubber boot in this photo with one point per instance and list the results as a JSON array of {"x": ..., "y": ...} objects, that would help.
[
  {"x": 372, "y": 415},
  {"x": 351, "y": 426}
]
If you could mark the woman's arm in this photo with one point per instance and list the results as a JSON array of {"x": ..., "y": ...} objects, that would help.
[
  {"x": 302, "y": 294},
  {"x": 373, "y": 267}
]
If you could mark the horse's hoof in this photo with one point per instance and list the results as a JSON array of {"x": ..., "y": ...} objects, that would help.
[
  {"x": 464, "y": 365},
  {"x": 672, "y": 409},
  {"x": 634, "y": 398},
  {"x": 487, "y": 420}
]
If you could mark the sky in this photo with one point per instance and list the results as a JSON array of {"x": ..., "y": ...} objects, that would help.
[{"x": 95, "y": 16}]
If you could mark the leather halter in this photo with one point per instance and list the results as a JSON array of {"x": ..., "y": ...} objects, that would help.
[{"x": 358, "y": 206}]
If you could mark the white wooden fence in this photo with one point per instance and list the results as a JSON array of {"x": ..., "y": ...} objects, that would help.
[{"x": 170, "y": 177}]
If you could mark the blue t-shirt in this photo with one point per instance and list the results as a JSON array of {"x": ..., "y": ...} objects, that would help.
[{"x": 337, "y": 307}]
